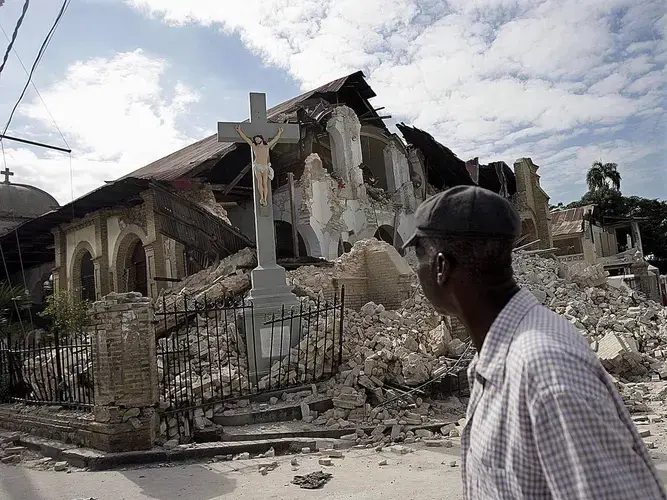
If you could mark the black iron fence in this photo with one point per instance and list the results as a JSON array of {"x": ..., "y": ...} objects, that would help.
[
  {"x": 209, "y": 354},
  {"x": 54, "y": 371}
]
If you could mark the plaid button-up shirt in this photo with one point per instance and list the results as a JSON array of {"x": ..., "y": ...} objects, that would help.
[{"x": 545, "y": 420}]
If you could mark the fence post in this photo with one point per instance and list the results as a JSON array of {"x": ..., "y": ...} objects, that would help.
[
  {"x": 58, "y": 393},
  {"x": 125, "y": 373},
  {"x": 10, "y": 367}
]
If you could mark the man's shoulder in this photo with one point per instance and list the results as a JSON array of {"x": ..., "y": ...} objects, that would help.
[{"x": 547, "y": 351}]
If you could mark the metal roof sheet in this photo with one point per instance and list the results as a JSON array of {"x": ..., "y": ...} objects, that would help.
[
  {"x": 569, "y": 221},
  {"x": 184, "y": 161}
]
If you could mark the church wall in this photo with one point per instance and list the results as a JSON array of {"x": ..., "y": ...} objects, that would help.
[
  {"x": 74, "y": 236},
  {"x": 111, "y": 236},
  {"x": 113, "y": 233},
  {"x": 531, "y": 201},
  {"x": 333, "y": 206}
]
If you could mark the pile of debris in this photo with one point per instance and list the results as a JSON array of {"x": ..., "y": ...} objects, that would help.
[
  {"x": 628, "y": 331},
  {"x": 51, "y": 374},
  {"x": 385, "y": 352}
]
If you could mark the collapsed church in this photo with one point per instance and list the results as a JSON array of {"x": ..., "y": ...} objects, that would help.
[{"x": 348, "y": 178}]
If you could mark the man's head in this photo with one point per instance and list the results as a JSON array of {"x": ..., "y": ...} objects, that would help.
[
  {"x": 258, "y": 139},
  {"x": 464, "y": 240}
]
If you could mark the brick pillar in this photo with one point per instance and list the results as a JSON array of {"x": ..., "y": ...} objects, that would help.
[
  {"x": 155, "y": 255},
  {"x": 102, "y": 282},
  {"x": 60, "y": 264},
  {"x": 125, "y": 373}
]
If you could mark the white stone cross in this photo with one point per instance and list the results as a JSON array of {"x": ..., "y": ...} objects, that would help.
[
  {"x": 258, "y": 125},
  {"x": 269, "y": 283}
]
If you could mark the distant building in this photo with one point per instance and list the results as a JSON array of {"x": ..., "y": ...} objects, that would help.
[
  {"x": 20, "y": 203},
  {"x": 582, "y": 234}
]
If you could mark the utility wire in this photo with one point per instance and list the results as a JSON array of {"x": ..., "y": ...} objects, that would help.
[
  {"x": 42, "y": 49},
  {"x": 36, "y": 89},
  {"x": 14, "y": 35}
]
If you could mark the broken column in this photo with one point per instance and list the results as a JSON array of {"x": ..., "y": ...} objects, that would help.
[
  {"x": 124, "y": 373},
  {"x": 399, "y": 183},
  {"x": 344, "y": 131}
]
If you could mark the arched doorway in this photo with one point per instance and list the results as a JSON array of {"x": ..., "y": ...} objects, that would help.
[
  {"x": 284, "y": 246},
  {"x": 87, "y": 276},
  {"x": 137, "y": 270},
  {"x": 385, "y": 233}
]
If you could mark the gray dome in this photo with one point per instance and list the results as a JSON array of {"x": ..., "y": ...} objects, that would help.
[{"x": 20, "y": 202}]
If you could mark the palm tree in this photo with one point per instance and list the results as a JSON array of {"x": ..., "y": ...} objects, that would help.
[{"x": 603, "y": 176}]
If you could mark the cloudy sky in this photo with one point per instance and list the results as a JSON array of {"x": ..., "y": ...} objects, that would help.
[{"x": 565, "y": 82}]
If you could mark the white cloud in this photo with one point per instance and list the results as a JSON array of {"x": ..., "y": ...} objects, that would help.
[
  {"x": 474, "y": 72},
  {"x": 116, "y": 116}
]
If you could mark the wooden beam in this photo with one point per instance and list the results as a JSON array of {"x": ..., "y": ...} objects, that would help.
[
  {"x": 168, "y": 280},
  {"x": 292, "y": 206},
  {"x": 237, "y": 179},
  {"x": 372, "y": 118}
]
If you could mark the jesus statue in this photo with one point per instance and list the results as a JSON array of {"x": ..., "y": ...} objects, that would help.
[{"x": 261, "y": 164}]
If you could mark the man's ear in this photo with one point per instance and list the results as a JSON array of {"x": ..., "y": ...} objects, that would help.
[{"x": 443, "y": 269}]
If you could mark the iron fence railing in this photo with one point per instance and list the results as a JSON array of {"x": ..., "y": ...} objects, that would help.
[
  {"x": 54, "y": 371},
  {"x": 208, "y": 354}
]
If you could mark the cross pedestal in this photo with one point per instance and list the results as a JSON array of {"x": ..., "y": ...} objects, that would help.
[{"x": 270, "y": 293}]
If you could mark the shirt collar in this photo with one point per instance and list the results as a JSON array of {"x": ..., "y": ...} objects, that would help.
[{"x": 490, "y": 362}]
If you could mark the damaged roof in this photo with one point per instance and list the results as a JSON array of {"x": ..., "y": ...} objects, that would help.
[
  {"x": 186, "y": 161},
  {"x": 445, "y": 169},
  {"x": 570, "y": 221},
  {"x": 31, "y": 243}
]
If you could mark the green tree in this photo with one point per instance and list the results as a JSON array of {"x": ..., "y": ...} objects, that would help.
[
  {"x": 68, "y": 312},
  {"x": 603, "y": 176}
]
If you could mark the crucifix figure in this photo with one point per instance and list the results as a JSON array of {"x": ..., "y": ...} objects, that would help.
[
  {"x": 261, "y": 164},
  {"x": 270, "y": 295},
  {"x": 269, "y": 283},
  {"x": 6, "y": 172}
]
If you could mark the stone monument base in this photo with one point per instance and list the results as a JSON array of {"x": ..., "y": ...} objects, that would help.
[{"x": 269, "y": 333}]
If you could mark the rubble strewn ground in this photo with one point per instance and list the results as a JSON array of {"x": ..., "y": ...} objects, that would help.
[{"x": 386, "y": 350}]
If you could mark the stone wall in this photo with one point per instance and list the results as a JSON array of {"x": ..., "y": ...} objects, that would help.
[
  {"x": 125, "y": 385},
  {"x": 389, "y": 277},
  {"x": 50, "y": 422},
  {"x": 373, "y": 271},
  {"x": 531, "y": 200}
]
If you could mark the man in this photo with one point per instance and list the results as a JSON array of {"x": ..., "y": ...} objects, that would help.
[
  {"x": 544, "y": 419},
  {"x": 261, "y": 165}
]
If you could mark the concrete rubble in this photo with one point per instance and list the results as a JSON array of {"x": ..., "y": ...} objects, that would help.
[
  {"x": 383, "y": 349},
  {"x": 627, "y": 331}
]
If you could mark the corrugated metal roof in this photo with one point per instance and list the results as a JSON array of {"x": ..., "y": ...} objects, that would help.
[
  {"x": 570, "y": 221},
  {"x": 183, "y": 162}
]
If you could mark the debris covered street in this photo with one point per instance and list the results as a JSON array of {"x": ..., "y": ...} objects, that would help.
[
  {"x": 426, "y": 473},
  {"x": 423, "y": 474}
]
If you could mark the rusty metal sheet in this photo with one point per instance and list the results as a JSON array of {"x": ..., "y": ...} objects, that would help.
[
  {"x": 570, "y": 221},
  {"x": 183, "y": 162},
  {"x": 188, "y": 224}
]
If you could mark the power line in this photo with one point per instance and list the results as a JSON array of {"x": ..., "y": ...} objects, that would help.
[
  {"x": 14, "y": 34},
  {"x": 42, "y": 49},
  {"x": 40, "y": 98}
]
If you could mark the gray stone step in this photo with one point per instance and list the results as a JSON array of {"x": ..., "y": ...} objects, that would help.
[
  {"x": 267, "y": 413},
  {"x": 293, "y": 430}
]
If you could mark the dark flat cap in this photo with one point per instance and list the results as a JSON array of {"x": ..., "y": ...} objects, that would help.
[{"x": 466, "y": 212}]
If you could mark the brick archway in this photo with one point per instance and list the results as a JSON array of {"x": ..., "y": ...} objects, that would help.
[
  {"x": 82, "y": 271},
  {"x": 130, "y": 267}
]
